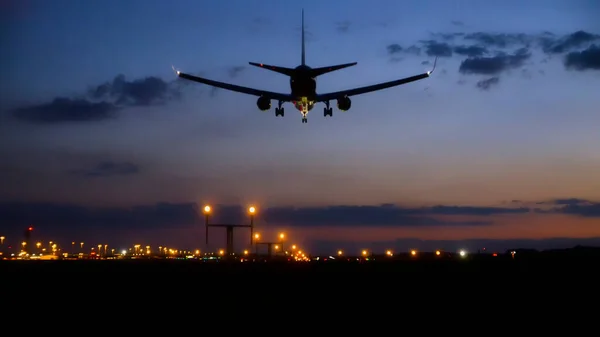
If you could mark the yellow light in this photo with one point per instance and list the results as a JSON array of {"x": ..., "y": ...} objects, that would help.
[
  {"x": 276, "y": 247},
  {"x": 413, "y": 252},
  {"x": 221, "y": 252},
  {"x": 340, "y": 252},
  {"x": 197, "y": 252},
  {"x": 252, "y": 209},
  {"x": 281, "y": 236},
  {"x": 293, "y": 247},
  {"x": 389, "y": 252},
  {"x": 245, "y": 252},
  {"x": 206, "y": 209},
  {"x": 256, "y": 236},
  {"x": 437, "y": 252},
  {"x": 364, "y": 252}
]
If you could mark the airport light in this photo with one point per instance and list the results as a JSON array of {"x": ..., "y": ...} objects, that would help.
[
  {"x": 293, "y": 247},
  {"x": 340, "y": 253},
  {"x": 256, "y": 236},
  {"x": 462, "y": 253},
  {"x": 207, "y": 209},
  {"x": 389, "y": 253},
  {"x": 413, "y": 252},
  {"x": 251, "y": 211},
  {"x": 221, "y": 252},
  {"x": 365, "y": 252},
  {"x": 2, "y": 238},
  {"x": 245, "y": 252},
  {"x": 438, "y": 253}
]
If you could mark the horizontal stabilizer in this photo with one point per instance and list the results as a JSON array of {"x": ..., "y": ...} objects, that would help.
[
  {"x": 323, "y": 70},
  {"x": 281, "y": 70}
]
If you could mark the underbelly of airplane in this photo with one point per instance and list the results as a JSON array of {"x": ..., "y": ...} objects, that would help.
[{"x": 304, "y": 104}]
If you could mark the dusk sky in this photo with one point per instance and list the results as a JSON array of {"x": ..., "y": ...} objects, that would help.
[{"x": 101, "y": 142}]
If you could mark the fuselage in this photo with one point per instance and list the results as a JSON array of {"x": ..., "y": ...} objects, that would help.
[{"x": 304, "y": 88}]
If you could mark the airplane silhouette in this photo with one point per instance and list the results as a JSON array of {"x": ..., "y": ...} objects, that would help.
[{"x": 303, "y": 86}]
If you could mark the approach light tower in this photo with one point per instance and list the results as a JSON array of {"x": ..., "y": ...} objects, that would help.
[{"x": 229, "y": 228}]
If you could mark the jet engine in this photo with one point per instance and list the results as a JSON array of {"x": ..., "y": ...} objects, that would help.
[
  {"x": 263, "y": 103},
  {"x": 344, "y": 103}
]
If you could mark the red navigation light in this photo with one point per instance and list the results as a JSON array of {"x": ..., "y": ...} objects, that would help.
[{"x": 30, "y": 229}]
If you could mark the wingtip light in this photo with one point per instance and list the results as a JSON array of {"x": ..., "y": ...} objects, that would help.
[{"x": 175, "y": 70}]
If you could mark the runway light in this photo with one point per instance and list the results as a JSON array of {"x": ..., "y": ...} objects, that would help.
[
  {"x": 364, "y": 252},
  {"x": 245, "y": 252},
  {"x": 389, "y": 253},
  {"x": 206, "y": 209},
  {"x": 437, "y": 252},
  {"x": 340, "y": 252},
  {"x": 462, "y": 253},
  {"x": 413, "y": 252}
]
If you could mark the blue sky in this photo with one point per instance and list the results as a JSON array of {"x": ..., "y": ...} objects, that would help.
[{"x": 521, "y": 124}]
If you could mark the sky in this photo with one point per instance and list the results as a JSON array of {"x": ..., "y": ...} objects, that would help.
[{"x": 101, "y": 142}]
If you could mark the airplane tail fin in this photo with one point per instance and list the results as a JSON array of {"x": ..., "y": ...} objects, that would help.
[
  {"x": 324, "y": 70},
  {"x": 303, "y": 58},
  {"x": 281, "y": 70}
]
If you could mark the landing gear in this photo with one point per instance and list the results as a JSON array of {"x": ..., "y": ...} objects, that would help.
[
  {"x": 304, "y": 120},
  {"x": 279, "y": 110},
  {"x": 327, "y": 111}
]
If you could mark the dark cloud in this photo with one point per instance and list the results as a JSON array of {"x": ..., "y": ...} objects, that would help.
[
  {"x": 101, "y": 102},
  {"x": 488, "y": 83},
  {"x": 142, "y": 92},
  {"x": 496, "y": 64},
  {"x": 108, "y": 169},
  {"x": 343, "y": 26},
  {"x": 471, "y": 51},
  {"x": 567, "y": 43},
  {"x": 584, "y": 60},
  {"x": 235, "y": 71},
  {"x": 65, "y": 216},
  {"x": 66, "y": 110},
  {"x": 572, "y": 206},
  {"x": 394, "y": 48},
  {"x": 499, "y": 40},
  {"x": 168, "y": 214},
  {"x": 441, "y": 49}
]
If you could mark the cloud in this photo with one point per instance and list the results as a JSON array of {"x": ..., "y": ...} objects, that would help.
[
  {"x": 343, "y": 26},
  {"x": 65, "y": 216},
  {"x": 441, "y": 49},
  {"x": 496, "y": 64},
  {"x": 101, "y": 102},
  {"x": 66, "y": 110},
  {"x": 141, "y": 92},
  {"x": 567, "y": 43},
  {"x": 471, "y": 51},
  {"x": 108, "y": 169},
  {"x": 491, "y": 53},
  {"x": 488, "y": 83},
  {"x": 178, "y": 214},
  {"x": 584, "y": 60}
]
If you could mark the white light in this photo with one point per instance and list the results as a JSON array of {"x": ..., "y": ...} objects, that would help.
[
  {"x": 124, "y": 252},
  {"x": 462, "y": 253}
]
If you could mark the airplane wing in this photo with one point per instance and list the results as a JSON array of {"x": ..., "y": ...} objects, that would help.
[
  {"x": 237, "y": 88},
  {"x": 375, "y": 87}
]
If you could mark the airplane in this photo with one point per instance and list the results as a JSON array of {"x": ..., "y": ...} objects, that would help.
[{"x": 303, "y": 85}]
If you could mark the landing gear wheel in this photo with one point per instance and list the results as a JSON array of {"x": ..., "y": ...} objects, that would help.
[
  {"x": 327, "y": 112},
  {"x": 304, "y": 120},
  {"x": 279, "y": 112}
]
